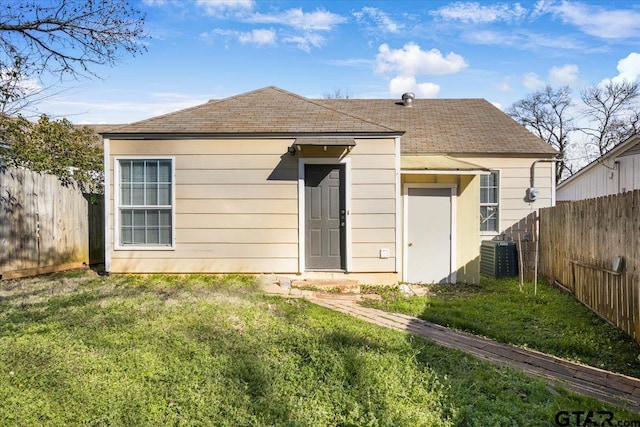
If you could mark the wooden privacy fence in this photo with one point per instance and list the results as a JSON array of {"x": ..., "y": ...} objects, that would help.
[
  {"x": 579, "y": 242},
  {"x": 43, "y": 224}
]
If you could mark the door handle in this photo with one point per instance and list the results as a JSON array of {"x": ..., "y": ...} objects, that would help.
[{"x": 410, "y": 244}]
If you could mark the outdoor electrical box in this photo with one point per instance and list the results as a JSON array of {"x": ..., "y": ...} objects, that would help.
[
  {"x": 498, "y": 259},
  {"x": 532, "y": 194}
]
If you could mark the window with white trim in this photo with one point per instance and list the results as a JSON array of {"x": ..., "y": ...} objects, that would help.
[
  {"x": 489, "y": 202},
  {"x": 145, "y": 206}
]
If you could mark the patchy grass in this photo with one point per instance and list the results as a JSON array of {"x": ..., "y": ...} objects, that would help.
[
  {"x": 551, "y": 321},
  {"x": 76, "y": 349}
]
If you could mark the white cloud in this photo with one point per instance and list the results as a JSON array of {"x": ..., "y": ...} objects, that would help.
[
  {"x": 259, "y": 37},
  {"x": 402, "y": 84},
  {"x": 567, "y": 75},
  {"x": 309, "y": 24},
  {"x": 629, "y": 68},
  {"x": 410, "y": 60},
  {"x": 532, "y": 82},
  {"x": 541, "y": 7},
  {"x": 220, "y": 7},
  {"x": 524, "y": 40},
  {"x": 320, "y": 20},
  {"x": 352, "y": 62},
  {"x": 490, "y": 37},
  {"x": 504, "y": 85},
  {"x": 596, "y": 21},
  {"x": 305, "y": 41},
  {"x": 383, "y": 23},
  {"x": 20, "y": 86},
  {"x": 476, "y": 13},
  {"x": 123, "y": 111}
]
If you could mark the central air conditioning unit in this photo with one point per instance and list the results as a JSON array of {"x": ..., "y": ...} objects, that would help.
[{"x": 498, "y": 259}]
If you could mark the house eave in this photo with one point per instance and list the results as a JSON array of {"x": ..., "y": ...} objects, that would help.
[
  {"x": 511, "y": 154},
  {"x": 246, "y": 135}
]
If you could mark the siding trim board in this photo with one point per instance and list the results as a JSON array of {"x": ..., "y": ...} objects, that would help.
[
  {"x": 107, "y": 205},
  {"x": 398, "y": 196}
]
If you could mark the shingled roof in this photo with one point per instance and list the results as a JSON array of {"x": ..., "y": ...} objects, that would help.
[
  {"x": 443, "y": 126},
  {"x": 448, "y": 126},
  {"x": 265, "y": 111}
]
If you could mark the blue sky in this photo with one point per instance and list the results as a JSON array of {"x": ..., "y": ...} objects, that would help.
[{"x": 500, "y": 51}]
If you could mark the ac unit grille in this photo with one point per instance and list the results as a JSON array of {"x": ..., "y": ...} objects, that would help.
[{"x": 498, "y": 259}]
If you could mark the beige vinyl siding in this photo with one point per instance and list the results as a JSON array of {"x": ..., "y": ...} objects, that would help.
[
  {"x": 373, "y": 205},
  {"x": 514, "y": 181},
  {"x": 206, "y": 264},
  {"x": 236, "y": 206},
  {"x": 235, "y": 210}
]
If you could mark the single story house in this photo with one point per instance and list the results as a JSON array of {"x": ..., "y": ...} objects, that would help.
[
  {"x": 617, "y": 171},
  {"x": 376, "y": 190}
]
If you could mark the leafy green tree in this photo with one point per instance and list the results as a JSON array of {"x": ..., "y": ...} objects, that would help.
[{"x": 72, "y": 153}]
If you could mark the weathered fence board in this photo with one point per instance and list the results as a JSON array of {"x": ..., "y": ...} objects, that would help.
[
  {"x": 43, "y": 224},
  {"x": 578, "y": 243}
]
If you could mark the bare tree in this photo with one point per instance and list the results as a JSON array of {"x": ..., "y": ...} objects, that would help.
[
  {"x": 613, "y": 113},
  {"x": 63, "y": 38},
  {"x": 336, "y": 94},
  {"x": 17, "y": 91},
  {"x": 546, "y": 114}
]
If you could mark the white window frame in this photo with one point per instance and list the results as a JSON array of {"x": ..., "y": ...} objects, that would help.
[
  {"x": 118, "y": 246},
  {"x": 497, "y": 204}
]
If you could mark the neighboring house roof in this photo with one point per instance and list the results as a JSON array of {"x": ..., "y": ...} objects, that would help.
[
  {"x": 102, "y": 128},
  {"x": 437, "y": 126},
  {"x": 628, "y": 147}
]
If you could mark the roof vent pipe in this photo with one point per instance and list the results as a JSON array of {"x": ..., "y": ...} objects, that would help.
[{"x": 407, "y": 99}]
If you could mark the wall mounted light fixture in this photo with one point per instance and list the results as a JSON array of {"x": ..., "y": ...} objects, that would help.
[{"x": 292, "y": 150}]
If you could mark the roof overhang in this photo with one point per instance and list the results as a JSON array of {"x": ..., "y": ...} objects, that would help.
[
  {"x": 347, "y": 143},
  {"x": 440, "y": 165}
]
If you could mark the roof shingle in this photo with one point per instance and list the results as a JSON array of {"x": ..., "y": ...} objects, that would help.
[
  {"x": 264, "y": 111},
  {"x": 444, "y": 126},
  {"x": 448, "y": 126}
]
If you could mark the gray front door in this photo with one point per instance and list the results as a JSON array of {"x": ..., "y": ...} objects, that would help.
[{"x": 324, "y": 201}]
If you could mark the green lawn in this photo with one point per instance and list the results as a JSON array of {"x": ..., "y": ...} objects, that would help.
[
  {"x": 77, "y": 349},
  {"x": 551, "y": 321}
]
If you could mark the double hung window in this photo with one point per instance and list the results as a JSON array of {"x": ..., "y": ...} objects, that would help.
[
  {"x": 145, "y": 205},
  {"x": 489, "y": 202}
]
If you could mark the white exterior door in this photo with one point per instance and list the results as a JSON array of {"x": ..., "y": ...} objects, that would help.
[{"x": 429, "y": 234}]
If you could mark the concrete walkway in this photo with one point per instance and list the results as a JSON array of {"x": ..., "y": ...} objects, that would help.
[{"x": 603, "y": 385}]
